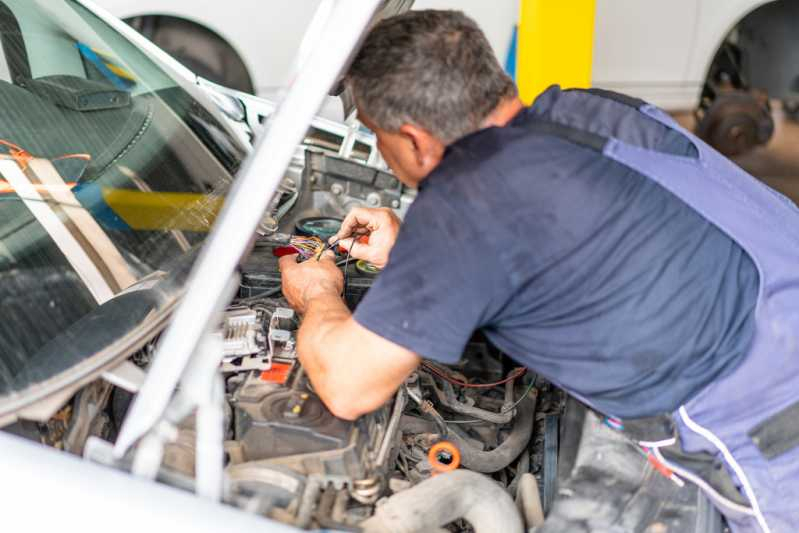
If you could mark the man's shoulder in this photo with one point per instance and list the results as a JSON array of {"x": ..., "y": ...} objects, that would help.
[
  {"x": 499, "y": 153},
  {"x": 495, "y": 144}
]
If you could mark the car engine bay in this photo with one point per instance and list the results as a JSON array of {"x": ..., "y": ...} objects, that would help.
[
  {"x": 286, "y": 456},
  {"x": 499, "y": 432},
  {"x": 292, "y": 459},
  {"x": 304, "y": 466}
]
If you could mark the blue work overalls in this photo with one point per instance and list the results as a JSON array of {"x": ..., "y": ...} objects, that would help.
[{"x": 748, "y": 420}]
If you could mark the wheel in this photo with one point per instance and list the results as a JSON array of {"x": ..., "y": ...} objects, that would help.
[
  {"x": 790, "y": 106},
  {"x": 735, "y": 122},
  {"x": 202, "y": 51},
  {"x": 733, "y": 117}
]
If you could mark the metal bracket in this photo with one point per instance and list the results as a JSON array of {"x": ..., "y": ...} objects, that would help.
[
  {"x": 202, "y": 392},
  {"x": 126, "y": 376}
]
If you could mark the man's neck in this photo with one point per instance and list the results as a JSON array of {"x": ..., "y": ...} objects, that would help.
[
  {"x": 498, "y": 117},
  {"x": 503, "y": 113}
]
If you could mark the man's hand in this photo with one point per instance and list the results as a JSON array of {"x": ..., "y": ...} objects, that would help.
[
  {"x": 353, "y": 370},
  {"x": 382, "y": 226},
  {"x": 302, "y": 282}
]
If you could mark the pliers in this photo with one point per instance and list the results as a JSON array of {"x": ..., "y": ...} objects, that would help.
[{"x": 361, "y": 237}]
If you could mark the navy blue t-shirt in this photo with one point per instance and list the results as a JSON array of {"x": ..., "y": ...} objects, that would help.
[{"x": 574, "y": 265}]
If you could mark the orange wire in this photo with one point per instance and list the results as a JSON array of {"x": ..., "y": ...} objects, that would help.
[{"x": 22, "y": 157}]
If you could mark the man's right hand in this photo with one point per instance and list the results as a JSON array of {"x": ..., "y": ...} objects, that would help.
[{"x": 382, "y": 226}]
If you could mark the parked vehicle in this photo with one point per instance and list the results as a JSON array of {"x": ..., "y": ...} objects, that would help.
[
  {"x": 146, "y": 346},
  {"x": 701, "y": 55}
]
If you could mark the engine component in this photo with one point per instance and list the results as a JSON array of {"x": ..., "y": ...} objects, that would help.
[
  {"x": 444, "y": 457},
  {"x": 280, "y": 335},
  {"x": 448, "y": 399},
  {"x": 288, "y": 426},
  {"x": 261, "y": 276},
  {"x": 528, "y": 499},
  {"x": 338, "y": 470},
  {"x": 240, "y": 332},
  {"x": 443, "y": 499},
  {"x": 273, "y": 487},
  {"x": 504, "y": 454},
  {"x": 551, "y": 437},
  {"x": 334, "y": 186},
  {"x": 254, "y": 336},
  {"x": 322, "y": 227},
  {"x": 88, "y": 416},
  {"x": 367, "y": 268}
]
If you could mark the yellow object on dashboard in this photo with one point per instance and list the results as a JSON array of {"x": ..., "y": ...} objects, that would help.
[{"x": 143, "y": 210}]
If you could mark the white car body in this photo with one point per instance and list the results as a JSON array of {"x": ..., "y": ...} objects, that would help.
[
  {"x": 658, "y": 51},
  {"x": 661, "y": 51}
]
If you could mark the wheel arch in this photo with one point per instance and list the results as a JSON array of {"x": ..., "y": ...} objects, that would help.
[
  {"x": 203, "y": 24},
  {"x": 719, "y": 32}
]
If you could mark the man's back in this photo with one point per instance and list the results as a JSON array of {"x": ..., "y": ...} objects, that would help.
[
  {"x": 574, "y": 265},
  {"x": 552, "y": 229}
]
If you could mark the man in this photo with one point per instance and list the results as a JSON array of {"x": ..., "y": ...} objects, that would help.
[{"x": 592, "y": 240}]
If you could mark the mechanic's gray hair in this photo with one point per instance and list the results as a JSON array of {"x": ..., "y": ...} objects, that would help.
[{"x": 434, "y": 69}]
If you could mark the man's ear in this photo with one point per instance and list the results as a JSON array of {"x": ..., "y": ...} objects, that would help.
[{"x": 427, "y": 148}]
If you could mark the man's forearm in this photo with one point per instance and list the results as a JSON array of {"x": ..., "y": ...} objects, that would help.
[
  {"x": 322, "y": 351},
  {"x": 317, "y": 341},
  {"x": 353, "y": 370}
]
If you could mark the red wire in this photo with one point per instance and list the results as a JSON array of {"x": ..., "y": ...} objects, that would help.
[{"x": 515, "y": 373}]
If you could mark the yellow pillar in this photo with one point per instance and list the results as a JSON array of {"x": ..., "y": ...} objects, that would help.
[{"x": 556, "y": 39}]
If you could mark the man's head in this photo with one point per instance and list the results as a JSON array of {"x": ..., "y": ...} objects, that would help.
[{"x": 421, "y": 81}]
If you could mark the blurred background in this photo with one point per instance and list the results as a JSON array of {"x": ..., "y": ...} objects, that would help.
[{"x": 728, "y": 69}]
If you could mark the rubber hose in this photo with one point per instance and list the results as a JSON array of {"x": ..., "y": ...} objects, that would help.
[
  {"x": 504, "y": 454},
  {"x": 443, "y": 499},
  {"x": 308, "y": 503},
  {"x": 528, "y": 499}
]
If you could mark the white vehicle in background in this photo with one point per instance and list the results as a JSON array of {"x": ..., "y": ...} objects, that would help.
[
  {"x": 704, "y": 55},
  {"x": 248, "y": 44}
]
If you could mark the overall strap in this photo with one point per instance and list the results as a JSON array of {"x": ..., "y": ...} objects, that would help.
[
  {"x": 629, "y": 131},
  {"x": 711, "y": 184},
  {"x": 714, "y": 186},
  {"x": 574, "y": 135},
  {"x": 629, "y": 101}
]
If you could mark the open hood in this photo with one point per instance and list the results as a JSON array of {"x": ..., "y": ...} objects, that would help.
[
  {"x": 389, "y": 9},
  {"x": 331, "y": 40}
]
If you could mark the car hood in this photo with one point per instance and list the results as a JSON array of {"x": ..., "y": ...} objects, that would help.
[
  {"x": 332, "y": 39},
  {"x": 101, "y": 337}
]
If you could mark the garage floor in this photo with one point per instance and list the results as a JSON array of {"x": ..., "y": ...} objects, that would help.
[{"x": 777, "y": 163}]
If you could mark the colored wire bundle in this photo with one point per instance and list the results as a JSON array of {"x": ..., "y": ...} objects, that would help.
[
  {"x": 347, "y": 268},
  {"x": 307, "y": 247}
]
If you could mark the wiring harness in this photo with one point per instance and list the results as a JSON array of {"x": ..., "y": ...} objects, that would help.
[{"x": 307, "y": 247}]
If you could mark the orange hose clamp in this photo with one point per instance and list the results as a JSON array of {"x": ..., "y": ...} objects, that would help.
[{"x": 444, "y": 457}]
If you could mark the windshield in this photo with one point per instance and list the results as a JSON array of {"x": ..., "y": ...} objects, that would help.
[{"x": 110, "y": 171}]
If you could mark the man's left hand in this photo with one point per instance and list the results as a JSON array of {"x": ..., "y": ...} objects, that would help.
[{"x": 302, "y": 282}]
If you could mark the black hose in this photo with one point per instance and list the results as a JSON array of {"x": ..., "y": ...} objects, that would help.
[{"x": 504, "y": 454}]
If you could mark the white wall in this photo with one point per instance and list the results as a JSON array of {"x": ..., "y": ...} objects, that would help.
[{"x": 495, "y": 17}]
